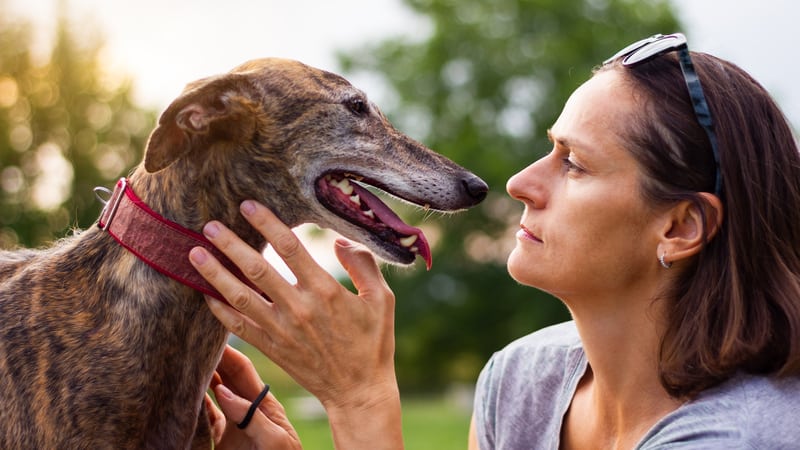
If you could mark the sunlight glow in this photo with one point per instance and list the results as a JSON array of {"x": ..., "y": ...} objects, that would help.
[{"x": 52, "y": 185}]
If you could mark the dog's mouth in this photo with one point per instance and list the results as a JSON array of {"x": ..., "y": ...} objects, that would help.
[{"x": 357, "y": 205}]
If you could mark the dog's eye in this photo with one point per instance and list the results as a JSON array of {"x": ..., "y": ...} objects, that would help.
[{"x": 358, "y": 106}]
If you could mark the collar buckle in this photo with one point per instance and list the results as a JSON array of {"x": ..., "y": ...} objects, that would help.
[{"x": 112, "y": 204}]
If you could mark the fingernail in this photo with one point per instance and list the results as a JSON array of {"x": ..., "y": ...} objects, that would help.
[
  {"x": 211, "y": 230},
  {"x": 198, "y": 256},
  {"x": 344, "y": 243},
  {"x": 248, "y": 207},
  {"x": 223, "y": 391}
]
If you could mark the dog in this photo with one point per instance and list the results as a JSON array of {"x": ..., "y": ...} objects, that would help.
[{"x": 103, "y": 348}]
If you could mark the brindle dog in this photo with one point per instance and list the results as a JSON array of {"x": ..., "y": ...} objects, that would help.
[{"x": 100, "y": 351}]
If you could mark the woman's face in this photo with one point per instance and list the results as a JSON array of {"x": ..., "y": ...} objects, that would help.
[{"x": 585, "y": 229}]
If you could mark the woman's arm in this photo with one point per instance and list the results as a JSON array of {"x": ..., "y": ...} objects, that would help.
[
  {"x": 473, "y": 435},
  {"x": 336, "y": 344}
]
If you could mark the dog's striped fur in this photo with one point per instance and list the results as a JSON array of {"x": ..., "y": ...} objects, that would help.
[{"x": 98, "y": 350}]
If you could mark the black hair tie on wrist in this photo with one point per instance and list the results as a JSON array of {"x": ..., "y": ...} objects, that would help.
[{"x": 249, "y": 416}]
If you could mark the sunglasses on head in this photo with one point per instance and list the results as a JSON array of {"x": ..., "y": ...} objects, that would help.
[{"x": 647, "y": 49}]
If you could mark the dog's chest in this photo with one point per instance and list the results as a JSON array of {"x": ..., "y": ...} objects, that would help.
[{"x": 90, "y": 345}]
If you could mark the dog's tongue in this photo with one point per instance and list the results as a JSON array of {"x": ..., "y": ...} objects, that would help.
[{"x": 388, "y": 217}]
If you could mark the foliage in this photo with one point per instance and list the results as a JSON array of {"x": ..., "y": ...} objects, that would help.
[
  {"x": 480, "y": 83},
  {"x": 482, "y": 87},
  {"x": 66, "y": 126}
]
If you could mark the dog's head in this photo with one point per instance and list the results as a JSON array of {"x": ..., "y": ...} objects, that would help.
[{"x": 306, "y": 143}]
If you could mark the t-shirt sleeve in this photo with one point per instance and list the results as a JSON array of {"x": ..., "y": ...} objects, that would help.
[
  {"x": 523, "y": 390},
  {"x": 747, "y": 412},
  {"x": 485, "y": 407}
]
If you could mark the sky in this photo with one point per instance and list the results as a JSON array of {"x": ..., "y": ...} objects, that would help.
[{"x": 164, "y": 44}]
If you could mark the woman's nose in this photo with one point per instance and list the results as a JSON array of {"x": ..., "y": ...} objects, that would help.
[{"x": 528, "y": 185}]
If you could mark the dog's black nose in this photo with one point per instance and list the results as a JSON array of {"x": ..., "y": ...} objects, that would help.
[{"x": 476, "y": 188}]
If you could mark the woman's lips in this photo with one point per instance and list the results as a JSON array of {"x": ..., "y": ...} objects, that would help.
[{"x": 525, "y": 233}]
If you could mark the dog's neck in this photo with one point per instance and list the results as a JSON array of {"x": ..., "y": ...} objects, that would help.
[
  {"x": 162, "y": 244},
  {"x": 177, "y": 312}
]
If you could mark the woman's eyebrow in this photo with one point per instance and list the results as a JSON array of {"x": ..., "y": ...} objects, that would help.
[
  {"x": 568, "y": 143},
  {"x": 561, "y": 142}
]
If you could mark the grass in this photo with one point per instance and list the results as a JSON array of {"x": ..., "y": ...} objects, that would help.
[
  {"x": 430, "y": 423},
  {"x": 433, "y": 422}
]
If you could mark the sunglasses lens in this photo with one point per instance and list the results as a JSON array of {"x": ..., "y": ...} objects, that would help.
[
  {"x": 653, "y": 48},
  {"x": 658, "y": 44},
  {"x": 633, "y": 47}
]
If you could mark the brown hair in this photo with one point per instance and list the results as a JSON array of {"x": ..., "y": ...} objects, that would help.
[{"x": 737, "y": 306}]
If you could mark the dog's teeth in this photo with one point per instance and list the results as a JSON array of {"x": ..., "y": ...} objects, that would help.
[
  {"x": 355, "y": 199},
  {"x": 346, "y": 187},
  {"x": 343, "y": 186},
  {"x": 355, "y": 177},
  {"x": 369, "y": 213},
  {"x": 414, "y": 249},
  {"x": 408, "y": 241}
]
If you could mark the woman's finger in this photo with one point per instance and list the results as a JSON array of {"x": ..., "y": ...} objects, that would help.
[
  {"x": 238, "y": 294},
  {"x": 362, "y": 267},
  {"x": 239, "y": 324},
  {"x": 261, "y": 430},
  {"x": 285, "y": 243},
  {"x": 239, "y": 374},
  {"x": 216, "y": 420},
  {"x": 251, "y": 263},
  {"x": 242, "y": 410}
]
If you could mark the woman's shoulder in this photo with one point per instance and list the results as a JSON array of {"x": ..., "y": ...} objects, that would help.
[
  {"x": 546, "y": 359},
  {"x": 542, "y": 354},
  {"x": 525, "y": 388},
  {"x": 747, "y": 411},
  {"x": 765, "y": 407}
]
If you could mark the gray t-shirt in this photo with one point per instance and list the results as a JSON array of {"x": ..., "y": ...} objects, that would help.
[{"x": 525, "y": 389}]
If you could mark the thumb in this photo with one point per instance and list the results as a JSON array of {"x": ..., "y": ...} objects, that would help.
[
  {"x": 216, "y": 420},
  {"x": 361, "y": 265}
]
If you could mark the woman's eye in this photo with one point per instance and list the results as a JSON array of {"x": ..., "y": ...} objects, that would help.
[{"x": 571, "y": 166}]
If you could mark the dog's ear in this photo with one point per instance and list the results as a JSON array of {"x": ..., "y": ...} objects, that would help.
[{"x": 211, "y": 110}]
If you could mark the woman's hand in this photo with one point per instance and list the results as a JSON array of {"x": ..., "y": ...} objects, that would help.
[
  {"x": 235, "y": 385},
  {"x": 336, "y": 344}
]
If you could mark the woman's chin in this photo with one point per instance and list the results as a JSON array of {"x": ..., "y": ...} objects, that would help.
[{"x": 519, "y": 267}]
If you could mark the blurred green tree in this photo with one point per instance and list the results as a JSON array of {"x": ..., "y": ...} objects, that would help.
[
  {"x": 481, "y": 83},
  {"x": 66, "y": 126}
]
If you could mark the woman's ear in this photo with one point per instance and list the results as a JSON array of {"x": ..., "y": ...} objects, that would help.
[{"x": 689, "y": 226}]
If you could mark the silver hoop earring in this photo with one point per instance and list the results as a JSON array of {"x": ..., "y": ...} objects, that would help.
[{"x": 664, "y": 264}]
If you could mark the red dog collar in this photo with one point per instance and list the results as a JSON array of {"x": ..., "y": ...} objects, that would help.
[{"x": 162, "y": 244}]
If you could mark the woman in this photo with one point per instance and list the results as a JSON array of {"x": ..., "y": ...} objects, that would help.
[{"x": 667, "y": 219}]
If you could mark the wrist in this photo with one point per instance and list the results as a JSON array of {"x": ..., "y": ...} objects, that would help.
[{"x": 368, "y": 419}]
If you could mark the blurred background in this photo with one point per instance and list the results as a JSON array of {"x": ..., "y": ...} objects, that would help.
[{"x": 82, "y": 82}]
